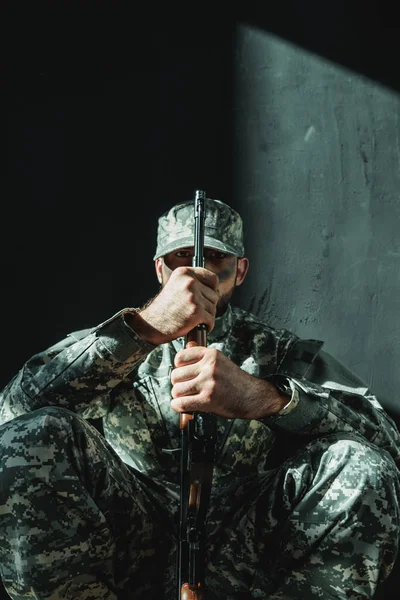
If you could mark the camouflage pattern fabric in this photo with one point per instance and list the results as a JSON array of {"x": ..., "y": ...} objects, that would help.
[
  {"x": 304, "y": 505},
  {"x": 75, "y": 522},
  {"x": 223, "y": 228}
]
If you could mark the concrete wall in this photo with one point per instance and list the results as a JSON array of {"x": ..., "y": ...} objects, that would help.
[{"x": 317, "y": 177}]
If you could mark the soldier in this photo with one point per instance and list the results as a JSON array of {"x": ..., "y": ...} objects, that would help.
[{"x": 305, "y": 495}]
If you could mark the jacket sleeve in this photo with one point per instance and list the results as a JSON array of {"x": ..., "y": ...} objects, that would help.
[
  {"x": 78, "y": 373},
  {"x": 332, "y": 399}
]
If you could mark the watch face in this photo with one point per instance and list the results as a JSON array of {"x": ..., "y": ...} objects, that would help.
[{"x": 283, "y": 384}]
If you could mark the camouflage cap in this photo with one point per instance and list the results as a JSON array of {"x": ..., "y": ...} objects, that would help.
[{"x": 223, "y": 228}]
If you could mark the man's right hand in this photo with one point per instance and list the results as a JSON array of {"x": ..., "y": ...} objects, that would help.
[{"x": 188, "y": 298}]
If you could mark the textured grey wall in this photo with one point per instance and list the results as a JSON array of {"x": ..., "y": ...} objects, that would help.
[{"x": 317, "y": 176}]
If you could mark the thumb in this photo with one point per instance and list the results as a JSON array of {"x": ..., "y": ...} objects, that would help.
[{"x": 192, "y": 344}]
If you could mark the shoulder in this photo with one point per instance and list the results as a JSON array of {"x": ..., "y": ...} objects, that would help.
[
  {"x": 255, "y": 332},
  {"x": 80, "y": 334},
  {"x": 248, "y": 321},
  {"x": 292, "y": 352}
]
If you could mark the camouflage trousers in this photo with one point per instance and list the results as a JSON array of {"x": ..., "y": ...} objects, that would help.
[{"x": 76, "y": 523}]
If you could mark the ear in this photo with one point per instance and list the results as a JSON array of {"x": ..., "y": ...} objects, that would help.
[
  {"x": 158, "y": 265},
  {"x": 242, "y": 268}
]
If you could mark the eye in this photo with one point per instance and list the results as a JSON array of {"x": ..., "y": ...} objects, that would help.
[
  {"x": 182, "y": 253},
  {"x": 216, "y": 255}
]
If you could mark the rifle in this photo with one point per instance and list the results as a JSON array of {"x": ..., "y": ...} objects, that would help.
[{"x": 197, "y": 435}]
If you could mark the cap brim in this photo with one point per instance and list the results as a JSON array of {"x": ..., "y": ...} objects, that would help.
[{"x": 187, "y": 242}]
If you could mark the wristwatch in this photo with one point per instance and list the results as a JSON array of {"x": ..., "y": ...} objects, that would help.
[{"x": 286, "y": 386}]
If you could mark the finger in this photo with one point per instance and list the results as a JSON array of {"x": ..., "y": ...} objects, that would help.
[
  {"x": 208, "y": 292},
  {"x": 192, "y": 344},
  {"x": 208, "y": 278},
  {"x": 208, "y": 311},
  {"x": 206, "y": 318},
  {"x": 189, "y": 356},
  {"x": 209, "y": 299},
  {"x": 189, "y": 404},
  {"x": 185, "y": 373},
  {"x": 186, "y": 388}
]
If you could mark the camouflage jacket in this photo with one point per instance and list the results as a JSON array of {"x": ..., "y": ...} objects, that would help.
[{"x": 109, "y": 372}]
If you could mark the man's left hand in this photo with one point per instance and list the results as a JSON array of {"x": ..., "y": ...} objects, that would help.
[{"x": 205, "y": 380}]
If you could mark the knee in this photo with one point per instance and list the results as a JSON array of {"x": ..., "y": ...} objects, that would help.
[
  {"x": 348, "y": 502},
  {"x": 358, "y": 464},
  {"x": 351, "y": 476},
  {"x": 33, "y": 443},
  {"x": 40, "y": 424}
]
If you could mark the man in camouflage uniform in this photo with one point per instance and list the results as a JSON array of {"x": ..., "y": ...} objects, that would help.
[{"x": 305, "y": 496}]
